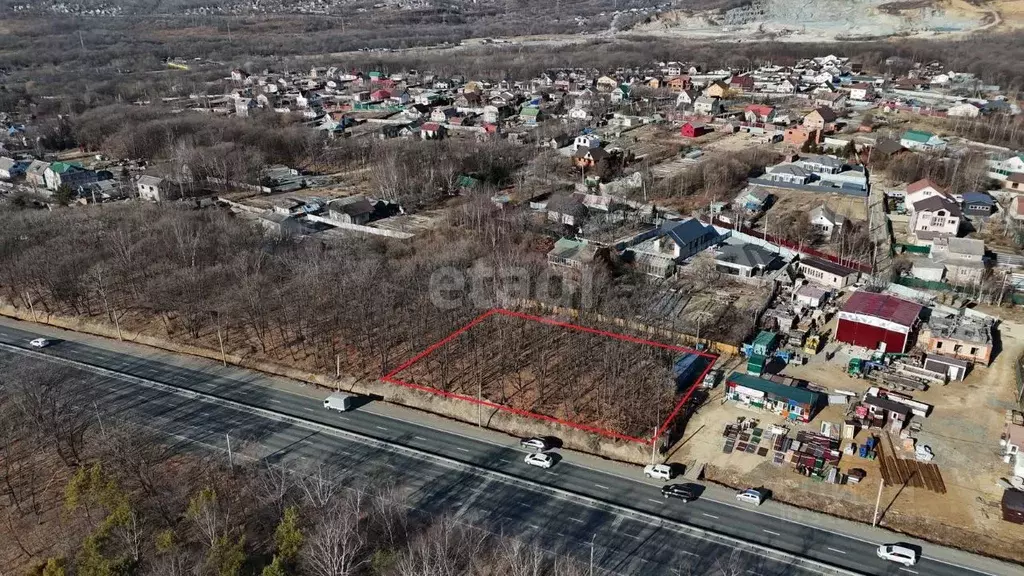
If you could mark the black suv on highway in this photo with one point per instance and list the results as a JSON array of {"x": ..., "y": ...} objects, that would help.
[{"x": 678, "y": 491}]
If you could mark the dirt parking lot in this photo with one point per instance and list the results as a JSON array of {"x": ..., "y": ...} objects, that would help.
[
  {"x": 787, "y": 201},
  {"x": 963, "y": 431}
]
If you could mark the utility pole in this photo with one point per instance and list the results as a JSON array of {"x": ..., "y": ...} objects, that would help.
[
  {"x": 592, "y": 554},
  {"x": 654, "y": 446},
  {"x": 230, "y": 463},
  {"x": 220, "y": 338},
  {"x": 99, "y": 420},
  {"x": 479, "y": 403},
  {"x": 337, "y": 366},
  {"x": 878, "y": 500}
]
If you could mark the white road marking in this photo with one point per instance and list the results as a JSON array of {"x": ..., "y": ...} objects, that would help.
[
  {"x": 600, "y": 486},
  {"x": 580, "y": 520},
  {"x": 309, "y": 409},
  {"x": 839, "y": 551},
  {"x": 909, "y": 570},
  {"x": 551, "y": 473},
  {"x": 380, "y": 428},
  {"x": 344, "y": 417},
  {"x": 461, "y": 449},
  {"x": 505, "y": 461},
  {"x": 772, "y": 533},
  {"x": 420, "y": 438},
  {"x": 275, "y": 400},
  {"x": 653, "y": 500},
  {"x": 710, "y": 515},
  {"x": 206, "y": 414},
  {"x": 688, "y": 553}
]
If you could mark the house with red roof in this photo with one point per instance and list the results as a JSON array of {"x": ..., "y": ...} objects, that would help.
[
  {"x": 878, "y": 322},
  {"x": 759, "y": 113},
  {"x": 742, "y": 83}
]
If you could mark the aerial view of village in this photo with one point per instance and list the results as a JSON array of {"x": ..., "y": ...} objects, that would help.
[{"x": 415, "y": 288}]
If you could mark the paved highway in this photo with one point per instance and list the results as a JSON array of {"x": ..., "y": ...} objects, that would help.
[{"x": 630, "y": 528}]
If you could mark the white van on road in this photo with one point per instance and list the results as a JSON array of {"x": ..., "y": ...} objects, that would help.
[{"x": 339, "y": 401}]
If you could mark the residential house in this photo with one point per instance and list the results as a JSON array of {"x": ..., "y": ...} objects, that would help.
[
  {"x": 753, "y": 199},
  {"x": 619, "y": 94},
  {"x": 821, "y": 119},
  {"x": 797, "y": 136},
  {"x": 153, "y": 188},
  {"x": 826, "y": 273},
  {"x": 350, "y": 210},
  {"x": 978, "y": 204},
  {"x": 935, "y": 216},
  {"x": 572, "y": 255},
  {"x": 742, "y": 83},
  {"x": 788, "y": 173},
  {"x": 964, "y": 110},
  {"x": 924, "y": 188},
  {"x": 687, "y": 98},
  {"x": 923, "y": 141},
  {"x": 708, "y": 106},
  {"x": 432, "y": 131},
  {"x": 678, "y": 84},
  {"x": 567, "y": 209},
  {"x": 1001, "y": 169},
  {"x": 530, "y": 115},
  {"x": 65, "y": 173},
  {"x": 35, "y": 174},
  {"x": 1014, "y": 181},
  {"x": 744, "y": 260},
  {"x": 717, "y": 89},
  {"x": 694, "y": 129},
  {"x": 826, "y": 221},
  {"x": 10, "y": 168},
  {"x": 586, "y": 141},
  {"x": 886, "y": 148},
  {"x": 820, "y": 163},
  {"x": 657, "y": 252},
  {"x": 959, "y": 336},
  {"x": 795, "y": 404},
  {"x": 854, "y": 178},
  {"x": 442, "y": 115},
  {"x": 759, "y": 113},
  {"x": 962, "y": 259},
  {"x": 588, "y": 157},
  {"x": 833, "y": 100},
  {"x": 861, "y": 91},
  {"x": 606, "y": 84}
]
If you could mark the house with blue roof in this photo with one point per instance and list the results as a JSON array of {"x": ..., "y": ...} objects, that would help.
[
  {"x": 658, "y": 251},
  {"x": 978, "y": 204}
]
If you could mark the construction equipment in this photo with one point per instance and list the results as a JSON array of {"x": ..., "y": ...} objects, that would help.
[
  {"x": 812, "y": 344},
  {"x": 855, "y": 368}
]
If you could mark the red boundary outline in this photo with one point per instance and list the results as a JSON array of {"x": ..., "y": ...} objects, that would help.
[{"x": 390, "y": 377}]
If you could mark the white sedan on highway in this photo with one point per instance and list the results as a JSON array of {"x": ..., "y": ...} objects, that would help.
[
  {"x": 540, "y": 460},
  {"x": 39, "y": 343}
]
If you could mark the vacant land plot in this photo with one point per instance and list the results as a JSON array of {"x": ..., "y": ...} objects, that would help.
[
  {"x": 603, "y": 382},
  {"x": 794, "y": 201}
]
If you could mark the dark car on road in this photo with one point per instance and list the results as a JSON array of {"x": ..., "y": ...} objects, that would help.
[
  {"x": 679, "y": 491},
  {"x": 535, "y": 443}
]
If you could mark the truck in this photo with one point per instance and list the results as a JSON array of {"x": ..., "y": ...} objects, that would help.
[{"x": 339, "y": 401}]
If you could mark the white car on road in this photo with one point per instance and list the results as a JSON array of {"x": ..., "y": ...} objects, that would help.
[
  {"x": 540, "y": 460},
  {"x": 39, "y": 343},
  {"x": 660, "y": 471},
  {"x": 897, "y": 553}
]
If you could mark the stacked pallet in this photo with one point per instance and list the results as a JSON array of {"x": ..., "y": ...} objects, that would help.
[{"x": 899, "y": 471}]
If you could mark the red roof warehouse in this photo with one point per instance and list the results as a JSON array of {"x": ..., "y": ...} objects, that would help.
[{"x": 871, "y": 320}]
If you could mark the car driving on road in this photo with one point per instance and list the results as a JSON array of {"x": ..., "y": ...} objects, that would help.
[
  {"x": 897, "y": 553},
  {"x": 679, "y": 491},
  {"x": 39, "y": 343},
  {"x": 660, "y": 471},
  {"x": 540, "y": 460},
  {"x": 535, "y": 443}
]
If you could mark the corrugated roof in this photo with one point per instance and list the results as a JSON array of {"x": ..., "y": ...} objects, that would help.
[
  {"x": 799, "y": 395},
  {"x": 883, "y": 306}
]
